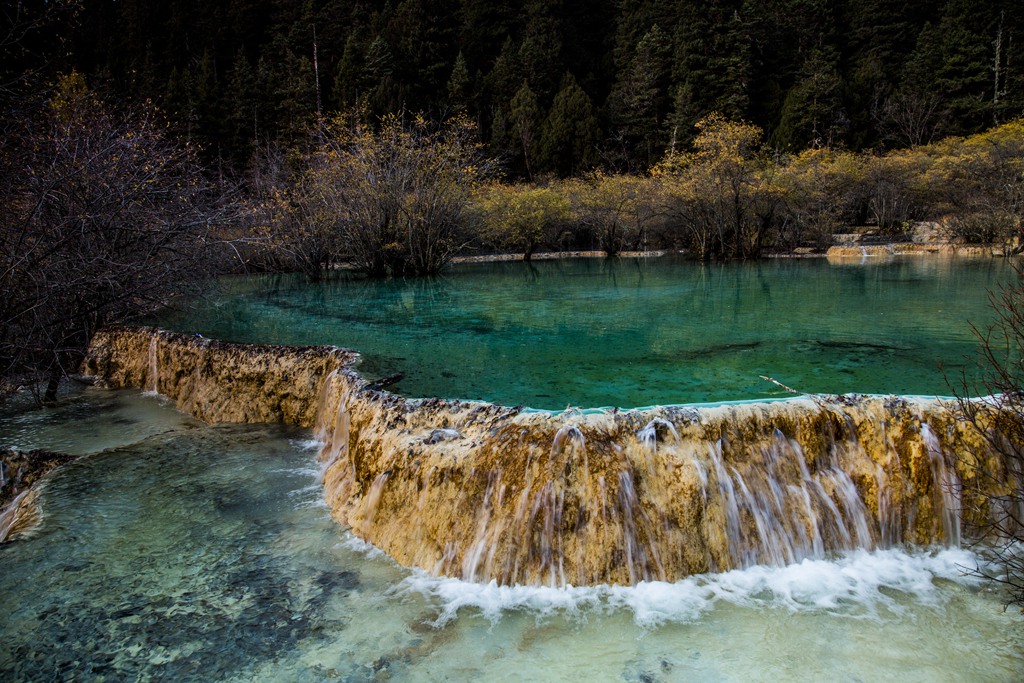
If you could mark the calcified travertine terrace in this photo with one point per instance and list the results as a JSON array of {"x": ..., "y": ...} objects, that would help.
[{"x": 485, "y": 492}]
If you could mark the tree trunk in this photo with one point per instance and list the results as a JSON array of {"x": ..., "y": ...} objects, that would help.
[{"x": 53, "y": 383}]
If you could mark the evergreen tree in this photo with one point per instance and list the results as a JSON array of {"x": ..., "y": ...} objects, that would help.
[
  {"x": 459, "y": 86},
  {"x": 711, "y": 66},
  {"x": 755, "y": 60},
  {"x": 541, "y": 49},
  {"x": 501, "y": 85},
  {"x": 384, "y": 94},
  {"x": 352, "y": 77},
  {"x": 208, "y": 103},
  {"x": 639, "y": 101},
  {"x": 878, "y": 40},
  {"x": 243, "y": 109},
  {"x": 288, "y": 80},
  {"x": 177, "y": 99},
  {"x": 506, "y": 75},
  {"x": 781, "y": 35},
  {"x": 587, "y": 27},
  {"x": 525, "y": 119},
  {"x": 570, "y": 135},
  {"x": 484, "y": 26},
  {"x": 633, "y": 19},
  {"x": 421, "y": 35},
  {"x": 953, "y": 63},
  {"x": 813, "y": 113}
]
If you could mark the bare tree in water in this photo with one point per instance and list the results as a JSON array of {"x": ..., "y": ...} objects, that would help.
[
  {"x": 997, "y": 419},
  {"x": 102, "y": 217},
  {"x": 390, "y": 199}
]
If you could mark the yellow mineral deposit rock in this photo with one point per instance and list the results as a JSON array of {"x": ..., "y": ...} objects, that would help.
[
  {"x": 485, "y": 492},
  {"x": 217, "y": 381}
]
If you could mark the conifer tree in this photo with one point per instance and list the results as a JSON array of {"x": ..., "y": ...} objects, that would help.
[
  {"x": 639, "y": 101},
  {"x": 541, "y": 47},
  {"x": 502, "y": 83},
  {"x": 569, "y": 138},
  {"x": 952, "y": 59},
  {"x": 813, "y": 114},
  {"x": 878, "y": 40},
  {"x": 384, "y": 92},
  {"x": 291, "y": 85},
  {"x": 506, "y": 75},
  {"x": 243, "y": 108},
  {"x": 421, "y": 34},
  {"x": 351, "y": 79},
  {"x": 711, "y": 66},
  {"x": 484, "y": 26},
  {"x": 525, "y": 120},
  {"x": 459, "y": 85}
]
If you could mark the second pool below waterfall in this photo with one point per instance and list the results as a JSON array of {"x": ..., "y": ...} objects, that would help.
[{"x": 181, "y": 551}]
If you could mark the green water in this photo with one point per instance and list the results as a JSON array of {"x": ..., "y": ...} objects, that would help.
[
  {"x": 184, "y": 552},
  {"x": 630, "y": 332}
]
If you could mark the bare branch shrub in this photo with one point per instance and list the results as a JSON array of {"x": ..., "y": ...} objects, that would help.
[
  {"x": 390, "y": 200},
  {"x": 997, "y": 420},
  {"x": 103, "y": 217},
  {"x": 981, "y": 181},
  {"x": 712, "y": 194}
]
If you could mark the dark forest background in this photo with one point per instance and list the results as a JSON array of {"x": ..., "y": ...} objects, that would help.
[{"x": 555, "y": 86}]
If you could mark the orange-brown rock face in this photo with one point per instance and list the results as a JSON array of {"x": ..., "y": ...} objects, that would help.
[
  {"x": 21, "y": 475},
  {"x": 217, "y": 381},
  {"x": 487, "y": 493},
  {"x": 483, "y": 492}
]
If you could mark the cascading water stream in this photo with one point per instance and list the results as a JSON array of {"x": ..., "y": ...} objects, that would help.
[
  {"x": 948, "y": 484},
  {"x": 11, "y": 517},
  {"x": 532, "y": 523},
  {"x": 153, "y": 371},
  {"x": 576, "y": 499}
]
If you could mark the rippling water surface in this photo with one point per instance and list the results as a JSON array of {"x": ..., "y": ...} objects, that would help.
[
  {"x": 630, "y": 332},
  {"x": 179, "y": 551}
]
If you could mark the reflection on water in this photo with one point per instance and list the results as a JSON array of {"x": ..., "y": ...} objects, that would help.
[
  {"x": 187, "y": 552},
  {"x": 629, "y": 332}
]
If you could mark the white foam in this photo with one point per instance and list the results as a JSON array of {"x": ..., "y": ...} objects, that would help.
[
  {"x": 859, "y": 584},
  {"x": 150, "y": 393},
  {"x": 493, "y": 600},
  {"x": 356, "y": 544},
  {"x": 309, "y": 494}
]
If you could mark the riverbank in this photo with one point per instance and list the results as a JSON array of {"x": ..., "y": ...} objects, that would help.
[
  {"x": 553, "y": 255},
  {"x": 838, "y": 251},
  {"x": 925, "y": 238},
  {"x": 921, "y": 239}
]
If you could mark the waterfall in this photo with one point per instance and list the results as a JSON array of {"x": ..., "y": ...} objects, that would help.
[
  {"x": 19, "y": 514},
  {"x": 491, "y": 493},
  {"x": 153, "y": 372},
  {"x": 622, "y": 497},
  {"x": 947, "y": 483}
]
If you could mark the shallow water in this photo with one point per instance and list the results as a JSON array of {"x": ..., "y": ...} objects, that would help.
[
  {"x": 630, "y": 332},
  {"x": 188, "y": 552}
]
